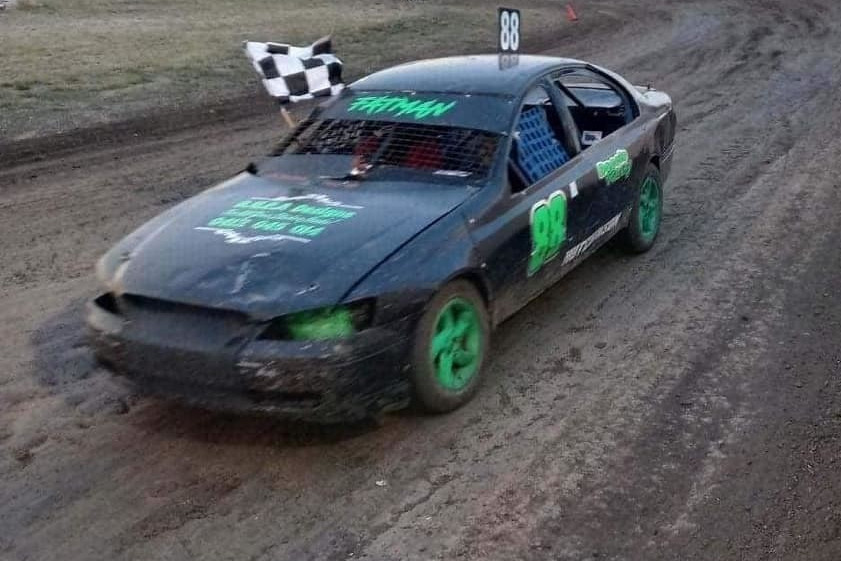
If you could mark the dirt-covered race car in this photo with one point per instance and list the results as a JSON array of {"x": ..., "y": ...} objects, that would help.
[{"x": 363, "y": 264}]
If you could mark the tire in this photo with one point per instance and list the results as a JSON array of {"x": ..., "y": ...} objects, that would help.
[
  {"x": 457, "y": 309},
  {"x": 644, "y": 226}
]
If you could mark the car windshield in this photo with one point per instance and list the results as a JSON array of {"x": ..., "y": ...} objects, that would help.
[{"x": 391, "y": 150}]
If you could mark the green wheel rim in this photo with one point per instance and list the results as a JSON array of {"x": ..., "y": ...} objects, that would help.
[
  {"x": 456, "y": 346},
  {"x": 650, "y": 208}
]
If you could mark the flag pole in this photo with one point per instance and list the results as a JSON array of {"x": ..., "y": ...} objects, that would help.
[{"x": 287, "y": 117}]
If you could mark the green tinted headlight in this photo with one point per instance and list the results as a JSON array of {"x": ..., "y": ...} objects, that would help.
[
  {"x": 335, "y": 322},
  {"x": 329, "y": 323}
]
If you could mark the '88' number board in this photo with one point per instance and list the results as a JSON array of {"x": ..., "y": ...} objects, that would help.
[{"x": 509, "y": 30}]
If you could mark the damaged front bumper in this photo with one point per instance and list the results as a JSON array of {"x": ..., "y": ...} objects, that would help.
[{"x": 216, "y": 360}]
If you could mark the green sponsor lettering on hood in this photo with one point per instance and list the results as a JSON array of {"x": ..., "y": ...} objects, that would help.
[
  {"x": 399, "y": 106},
  {"x": 616, "y": 168},
  {"x": 299, "y": 218}
]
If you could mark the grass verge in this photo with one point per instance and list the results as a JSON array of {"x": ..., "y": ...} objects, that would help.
[{"x": 67, "y": 64}]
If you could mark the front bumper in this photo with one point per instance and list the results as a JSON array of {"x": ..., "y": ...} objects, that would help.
[{"x": 212, "y": 360}]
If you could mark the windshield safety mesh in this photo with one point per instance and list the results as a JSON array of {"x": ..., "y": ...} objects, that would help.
[{"x": 439, "y": 149}]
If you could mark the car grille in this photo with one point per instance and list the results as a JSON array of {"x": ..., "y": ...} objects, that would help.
[{"x": 181, "y": 342}]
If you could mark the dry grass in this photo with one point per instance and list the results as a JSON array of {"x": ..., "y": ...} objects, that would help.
[{"x": 71, "y": 63}]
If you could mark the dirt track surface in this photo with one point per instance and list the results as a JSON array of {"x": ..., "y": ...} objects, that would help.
[{"x": 679, "y": 405}]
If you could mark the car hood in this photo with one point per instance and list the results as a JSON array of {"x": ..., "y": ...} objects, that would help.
[{"x": 264, "y": 248}]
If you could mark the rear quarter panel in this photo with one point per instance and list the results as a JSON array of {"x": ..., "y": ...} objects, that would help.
[{"x": 659, "y": 110}]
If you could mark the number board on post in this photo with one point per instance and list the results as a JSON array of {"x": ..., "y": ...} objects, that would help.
[{"x": 509, "y": 30}]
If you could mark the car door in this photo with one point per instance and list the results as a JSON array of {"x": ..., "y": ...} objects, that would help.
[
  {"x": 612, "y": 146},
  {"x": 525, "y": 243}
]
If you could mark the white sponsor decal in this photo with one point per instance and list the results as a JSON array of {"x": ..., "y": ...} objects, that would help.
[
  {"x": 588, "y": 138},
  {"x": 234, "y": 237},
  {"x": 317, "y": 197},
  {"x": 582, "y": 248}
]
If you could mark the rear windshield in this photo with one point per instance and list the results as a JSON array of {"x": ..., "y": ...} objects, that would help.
[
  {"x": 409, "y": 151},
  {"x": 595, "y": 95}
]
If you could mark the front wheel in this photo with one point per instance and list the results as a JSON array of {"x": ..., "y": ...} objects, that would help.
[
  {"x": 449, "y": 349},
  {"x": 644, "y": 225}
]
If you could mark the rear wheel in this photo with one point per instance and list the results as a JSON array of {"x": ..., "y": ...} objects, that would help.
[
  {"x": 644, "y": 225},
  {"x": 449, "y": 348}
]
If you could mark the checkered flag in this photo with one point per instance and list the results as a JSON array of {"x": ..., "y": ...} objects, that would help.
[{"x": 296, "y": 73}]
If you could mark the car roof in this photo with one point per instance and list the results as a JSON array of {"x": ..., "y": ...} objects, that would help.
[{"x": 474, "y": 74}]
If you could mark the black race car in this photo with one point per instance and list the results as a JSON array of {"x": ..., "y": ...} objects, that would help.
[{"x": 363, "y": 264}]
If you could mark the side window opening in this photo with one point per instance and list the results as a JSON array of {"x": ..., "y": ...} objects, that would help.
[
  {"x": 537, "y": 149},
  {"x": 597, "y": 107}
]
